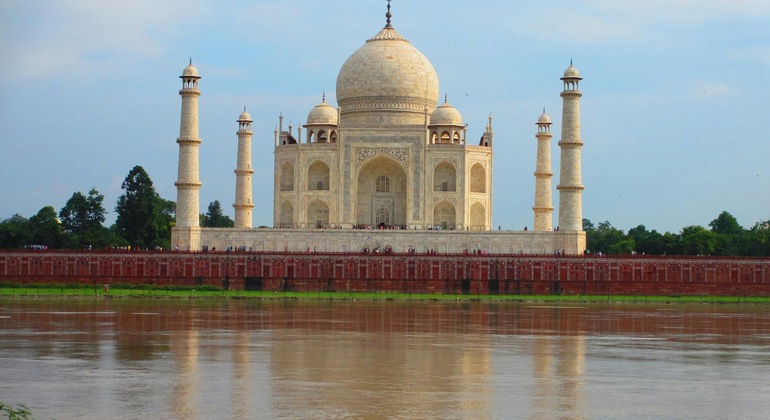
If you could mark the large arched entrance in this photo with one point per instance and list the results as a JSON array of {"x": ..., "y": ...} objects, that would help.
[{"x": 381, "y": 194}]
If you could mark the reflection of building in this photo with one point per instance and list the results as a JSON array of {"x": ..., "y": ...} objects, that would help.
[{"x": 388, "y": 157}]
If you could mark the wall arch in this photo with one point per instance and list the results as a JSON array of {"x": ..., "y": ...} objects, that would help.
[
  {"x": 445, "y": 177},
  {"x": 318, "y": 176},
  {"x": 478, "y": 217},
  {"x": 444, "y": 215},
  {"x": 381, "y": 190},
  {"x": 287, "y": 177},
  {"x": 286, "y": 218},
  {"x": 318, "y": 214},
  {"x": 478, "y": 179}
]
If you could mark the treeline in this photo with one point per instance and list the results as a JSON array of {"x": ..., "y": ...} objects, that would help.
[
  {"x": 724, "y": 237},
  {"x": 144, "y": 220}
]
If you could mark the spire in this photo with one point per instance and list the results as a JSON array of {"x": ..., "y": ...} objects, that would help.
[
  {"x": 570, "y": 62},
  {"x": 445, "y": 97},
  {"x": 191, "y": 61},
  {"x": 388, "y": 16},
  {"x": 323, "y": 97}
]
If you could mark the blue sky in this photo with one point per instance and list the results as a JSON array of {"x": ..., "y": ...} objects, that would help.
[{"x": 674, "y": 110}]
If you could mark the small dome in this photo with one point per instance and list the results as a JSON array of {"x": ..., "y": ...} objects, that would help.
[
  {"x": 446, "y": 114},
  {"x": 244, "y": 116},
  {"x": 190, "y": 71},
  {"x": 544, "y": 119},
  {"x": 571, "y": 73},
  {"x": 322, "y": 113}
]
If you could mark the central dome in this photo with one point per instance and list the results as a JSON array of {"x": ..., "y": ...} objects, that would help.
[{"x": 388, "y": 74}]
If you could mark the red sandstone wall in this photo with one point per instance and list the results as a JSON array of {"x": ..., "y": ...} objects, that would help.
[{"x": 450, "y": 274}]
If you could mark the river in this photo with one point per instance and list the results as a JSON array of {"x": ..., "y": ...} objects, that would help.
[{"x": 245, "y": 359}]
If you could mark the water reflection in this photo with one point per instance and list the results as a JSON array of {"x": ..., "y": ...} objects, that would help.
[{"x": 300, "y": 359}]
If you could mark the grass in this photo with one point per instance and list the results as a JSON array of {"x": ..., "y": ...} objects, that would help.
[{"x": 208, "y": 292}]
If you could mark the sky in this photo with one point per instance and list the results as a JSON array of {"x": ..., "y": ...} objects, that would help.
[{"x": 674, "y": 108}]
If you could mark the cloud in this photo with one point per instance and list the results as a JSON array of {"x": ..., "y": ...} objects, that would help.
[
  {"x": 82, "y": 37},
  {"x": 611, "y": 22},
  {"x": 756, "y": 54},
  {"x": 703, "y": 89}
]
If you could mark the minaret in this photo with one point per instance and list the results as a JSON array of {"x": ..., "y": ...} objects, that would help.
[
  {"x": 243, "y": 204},
  {"x": 543, "y": 204},
  {"x": 570, "y": 184},
  {"x": 188, "y": 184}
]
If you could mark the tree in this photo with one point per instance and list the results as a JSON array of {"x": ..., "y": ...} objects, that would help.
[
  {"x": 696, "y": 240},
  {"x": 46, "y": 228},
  {"x": 587, "y": 225},
  {"x": 15, "y": 232},
  {"x": 140, "y": 211},
  {"x": 725, "y": 224},
  {"x": 82, "y": 214},
  {"x": 758, "y": 240},
  {"x": 215, "y": 217},
  {"x": 603, "y": 237}
]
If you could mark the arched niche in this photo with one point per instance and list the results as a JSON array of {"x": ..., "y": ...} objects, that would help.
[
  {"x": 318, "y": 176},
  {"x": 286, "y": 218},
  {"x": 445, "y": 177},
  {"x": 444, "y": 215},
  {"x": 478, "y": 217},
  {"x": 478, "y": 179},
  {"x": 318, "y": 214},
  {"x": 287, "y": 177}
]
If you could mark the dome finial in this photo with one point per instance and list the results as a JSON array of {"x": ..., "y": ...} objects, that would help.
[
  {"x": 323, "y": 97},
  {"x": 388, "y": 16},
  {"x": 244, "y": 108},
  {"x": 570, "y": 62},
  {"x": 191, "y": 61},
  {"x": 445, "y": 97},
  {"x": 543, "y": 110}
]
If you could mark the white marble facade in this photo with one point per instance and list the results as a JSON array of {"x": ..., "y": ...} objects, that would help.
[{"x": 387, "y": 167}]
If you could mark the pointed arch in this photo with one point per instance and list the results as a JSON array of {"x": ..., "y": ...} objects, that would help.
[
  {"x": 444, "y": 177},
  {"x": 318, "y": 214},
  {"x": 381, "y": 184},
  {"x": 445, "y": 137},
  {"x": 286, "y": 218},
  {"x": 478, "y": 179},
  {"x": 478, "y": 217},
  {"x": 318, "y": 176},
  {"x": 444, "y": 215},
  {"x": 287, "y": 177}
]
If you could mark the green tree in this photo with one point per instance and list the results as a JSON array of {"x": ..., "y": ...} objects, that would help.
[
  {"x": 46, "y": 228},
  {"x": 647, "y": 242},
  {"x": 672, "y": 243},
  {"x": 15, "y": 232},
  {"x": 604, "y": 237},
  {"x": 164, "y": 221},
  {"x": 730, "y": 235},
  {"x": 696, "y": 240},
  {"x": 587, "y": 225},
  {"x": 140, "y": 212},
  {"x": 82, "y": 214},
  {"x": 214, "y": 217},
  {"x": 725, "y": 224},
  {"x": 758, "y": 240}
]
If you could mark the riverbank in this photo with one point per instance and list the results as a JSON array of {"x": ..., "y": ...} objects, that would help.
[{"x": 88, "y": 292}]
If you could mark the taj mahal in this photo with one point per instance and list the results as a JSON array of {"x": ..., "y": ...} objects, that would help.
[{"x": 390, "y": 168}]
